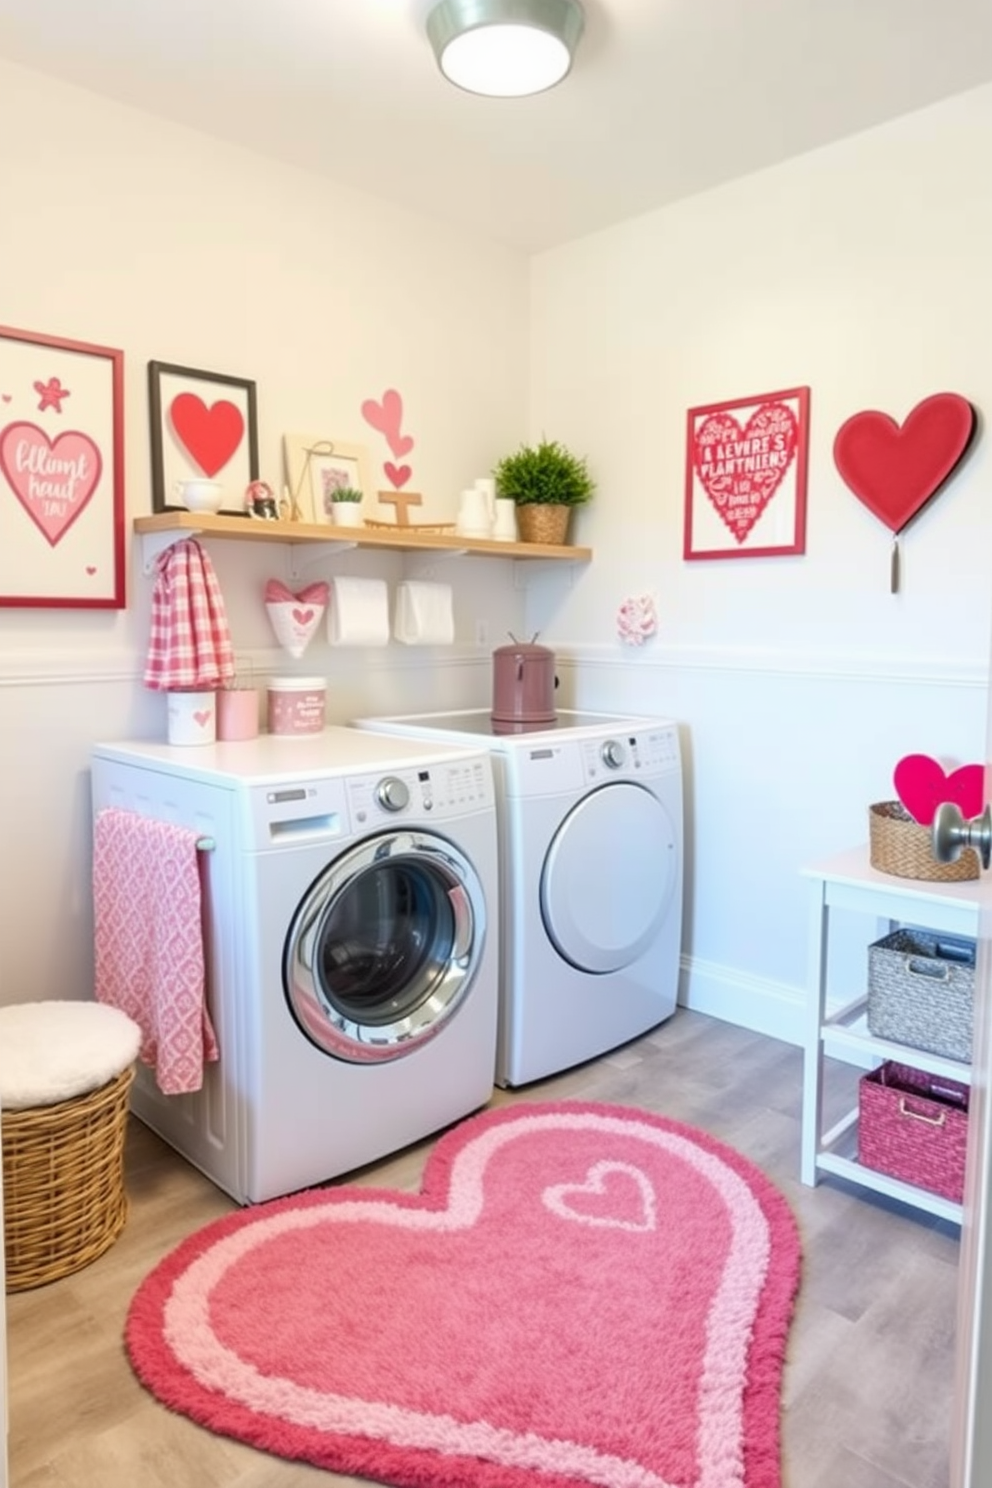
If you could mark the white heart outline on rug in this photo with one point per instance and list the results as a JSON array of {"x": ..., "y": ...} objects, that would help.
[
  {"x": 556, "y": 1198},
  {"x": 188, "y": 1331}
]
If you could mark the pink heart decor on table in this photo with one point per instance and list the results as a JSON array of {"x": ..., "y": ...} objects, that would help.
[
  {"x": 894, "y": 469},
  {"x": 526, "y": 1319},
  {"x": 740, "y": 469},
  {"x": 397, "y": 475},
  {"x": 386, "y": 418},
  {"x": 922, "y": 785},
  {"x": 210, "y": 436},
  {"x": 52, "y": 479}
]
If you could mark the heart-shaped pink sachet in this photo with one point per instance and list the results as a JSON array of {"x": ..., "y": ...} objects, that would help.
[{"x": 922, "y": 784}]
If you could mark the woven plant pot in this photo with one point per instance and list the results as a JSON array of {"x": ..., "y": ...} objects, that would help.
[
  {"x": 543, "y": 523},
  {"x": 899, "y": 845}
]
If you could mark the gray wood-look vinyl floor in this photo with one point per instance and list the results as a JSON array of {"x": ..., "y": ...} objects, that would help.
[{"x": 868, "y": 1382}]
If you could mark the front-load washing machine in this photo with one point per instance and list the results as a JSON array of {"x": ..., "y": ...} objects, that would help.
[
  {"x": 590, "y": 822},
  {"x": 349, "y": 888}
]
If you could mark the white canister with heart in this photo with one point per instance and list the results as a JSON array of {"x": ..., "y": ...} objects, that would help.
[{"x": 192, "y": 717}]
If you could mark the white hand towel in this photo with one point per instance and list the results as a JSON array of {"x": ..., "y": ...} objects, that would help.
[
  {"x": 358, "y": 613},
  {"x": 424, "y": 615}
]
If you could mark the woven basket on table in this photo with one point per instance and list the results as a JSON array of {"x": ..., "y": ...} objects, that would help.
[{"x": 899, "y": 845}]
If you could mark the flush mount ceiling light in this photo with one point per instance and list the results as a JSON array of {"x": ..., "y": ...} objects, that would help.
[{"x": 505, "y": 48}]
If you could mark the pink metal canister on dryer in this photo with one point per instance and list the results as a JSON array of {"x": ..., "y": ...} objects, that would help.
[{"x": 524, "y": 684}]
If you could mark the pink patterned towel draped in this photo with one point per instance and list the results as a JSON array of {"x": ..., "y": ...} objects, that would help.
[
  {"x": 148, "y": 941},
  {"x": 190, "y": 644}
]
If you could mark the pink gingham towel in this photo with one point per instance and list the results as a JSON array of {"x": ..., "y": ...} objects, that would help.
[
  {"x": 190, "y": 644},
  {"x": 149, "y": 942}
]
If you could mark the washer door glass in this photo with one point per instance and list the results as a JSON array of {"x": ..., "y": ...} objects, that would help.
[
  {"x": 384, "y": 946},
  {"x": 609, "y": 878}
]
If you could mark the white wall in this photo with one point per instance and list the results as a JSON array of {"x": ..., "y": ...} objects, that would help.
[
  {"x": 128, "y": 232},
  {"x": 861, "y": 272}
]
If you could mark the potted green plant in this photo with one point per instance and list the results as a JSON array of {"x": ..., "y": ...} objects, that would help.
[
  {"x": 343, "y": 500},
  {"x": 545, "y": 481}
]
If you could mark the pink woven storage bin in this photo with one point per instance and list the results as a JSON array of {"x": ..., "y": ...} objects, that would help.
[{"x": 914, "y": 1126}]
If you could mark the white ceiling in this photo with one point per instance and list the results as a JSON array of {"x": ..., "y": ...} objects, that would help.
[{"x": 666, "y": 98}]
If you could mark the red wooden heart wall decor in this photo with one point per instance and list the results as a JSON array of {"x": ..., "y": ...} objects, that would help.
[{"x": 894, "y": 470}]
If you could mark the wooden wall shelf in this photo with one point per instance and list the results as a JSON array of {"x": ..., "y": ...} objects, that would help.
[{"x": 399, "y": 539}]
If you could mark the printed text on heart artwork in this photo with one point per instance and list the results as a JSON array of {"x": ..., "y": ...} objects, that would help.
[{"x": 50, "y": 478}]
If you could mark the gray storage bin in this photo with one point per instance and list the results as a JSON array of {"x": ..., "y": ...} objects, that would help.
[{"x": 921, "y": 991}]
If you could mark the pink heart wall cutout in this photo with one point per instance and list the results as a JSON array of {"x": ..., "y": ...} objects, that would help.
[
  {"x": 482, "y": 1316},
  {"x": 210, "y": 436},
  {"x": 52, "y": 479},
  {"x": 386, "y": 418},
  {"x": 894, "y": 470},
  {"x": 740, "y": 469},
  {"x": 922, "y": 785},
  {"x": 397, "y": 475}
]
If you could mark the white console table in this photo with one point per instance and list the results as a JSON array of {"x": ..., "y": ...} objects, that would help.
[{"x": 848, "y": 882}]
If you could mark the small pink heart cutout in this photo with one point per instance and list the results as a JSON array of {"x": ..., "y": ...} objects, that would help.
[{"x": 922, "y": 785}]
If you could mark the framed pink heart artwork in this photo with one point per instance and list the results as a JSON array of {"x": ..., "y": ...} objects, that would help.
[
  {"x": 61, "y": 473},
  {"x": 204, "y": 427},
  {"x": 745, "y": 477}
]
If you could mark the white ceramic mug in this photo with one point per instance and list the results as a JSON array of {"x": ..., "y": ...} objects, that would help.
[
  {"x": 473, "y": 514},
  {"x": 199, "y": 495},
  {"x": 505, "y": 522}
]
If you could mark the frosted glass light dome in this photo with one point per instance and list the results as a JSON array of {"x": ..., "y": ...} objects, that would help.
[{"x": 505, "y": 48}]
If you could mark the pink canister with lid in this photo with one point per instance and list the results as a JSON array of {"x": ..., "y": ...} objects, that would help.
[{"x": 296, "y": 705}]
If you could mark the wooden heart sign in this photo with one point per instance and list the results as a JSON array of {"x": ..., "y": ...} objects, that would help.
[{"x": 895, "y": 469}]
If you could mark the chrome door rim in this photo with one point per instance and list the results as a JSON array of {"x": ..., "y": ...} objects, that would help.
[{"x": 330, "y": 1027}]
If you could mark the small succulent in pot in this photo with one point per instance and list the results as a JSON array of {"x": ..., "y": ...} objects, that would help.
[
  {"x": 544, "y": 474},
  {"x": 345, "y": 493}
]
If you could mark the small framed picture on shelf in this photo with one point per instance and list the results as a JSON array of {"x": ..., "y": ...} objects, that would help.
[
  {"x": 61, "y": 473},
  {"x": 204, "y": 426},
  {"x": 317, "y": 468},
  {"x": 745, "y": 477}
]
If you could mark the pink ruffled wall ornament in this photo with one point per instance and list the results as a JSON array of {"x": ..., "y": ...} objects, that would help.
[{"x": 637, "y": 620}]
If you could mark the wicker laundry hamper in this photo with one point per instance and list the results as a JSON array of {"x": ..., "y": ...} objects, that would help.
[{"x": 65, "y": 1075}]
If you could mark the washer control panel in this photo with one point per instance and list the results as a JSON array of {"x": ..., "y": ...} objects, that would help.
[{"x": 447, "y": 789}]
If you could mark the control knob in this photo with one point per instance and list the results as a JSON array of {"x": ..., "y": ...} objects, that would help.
[
  {"x": 392, "y": 793},
  {"x": 613, "y": 754}
]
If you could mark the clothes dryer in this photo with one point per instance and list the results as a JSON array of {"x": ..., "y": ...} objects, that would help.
[
  {"x": 350, "y": 901},
  {"x": 590, "y": 824}
]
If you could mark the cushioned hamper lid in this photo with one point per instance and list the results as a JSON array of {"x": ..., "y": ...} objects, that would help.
[{"x": 51, "y": 1051}]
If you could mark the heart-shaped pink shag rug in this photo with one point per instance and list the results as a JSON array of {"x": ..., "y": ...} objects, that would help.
[{"x": 580, "y": 1294}]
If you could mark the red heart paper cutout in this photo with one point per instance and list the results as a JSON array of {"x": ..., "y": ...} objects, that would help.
[
  {"x": 398, "y": 475},
  {"x": 922, "y": 784},
  {"x": 481, "y": 1317},
  {"x": 741, "y": 469},
  {"x": 895, "y": 470},
  {"x": 386, "y": 417},
  {"x": 52, "y": 479},
  {"x": 211, "y": 435},
  {"x": 90, "y": 569}
]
